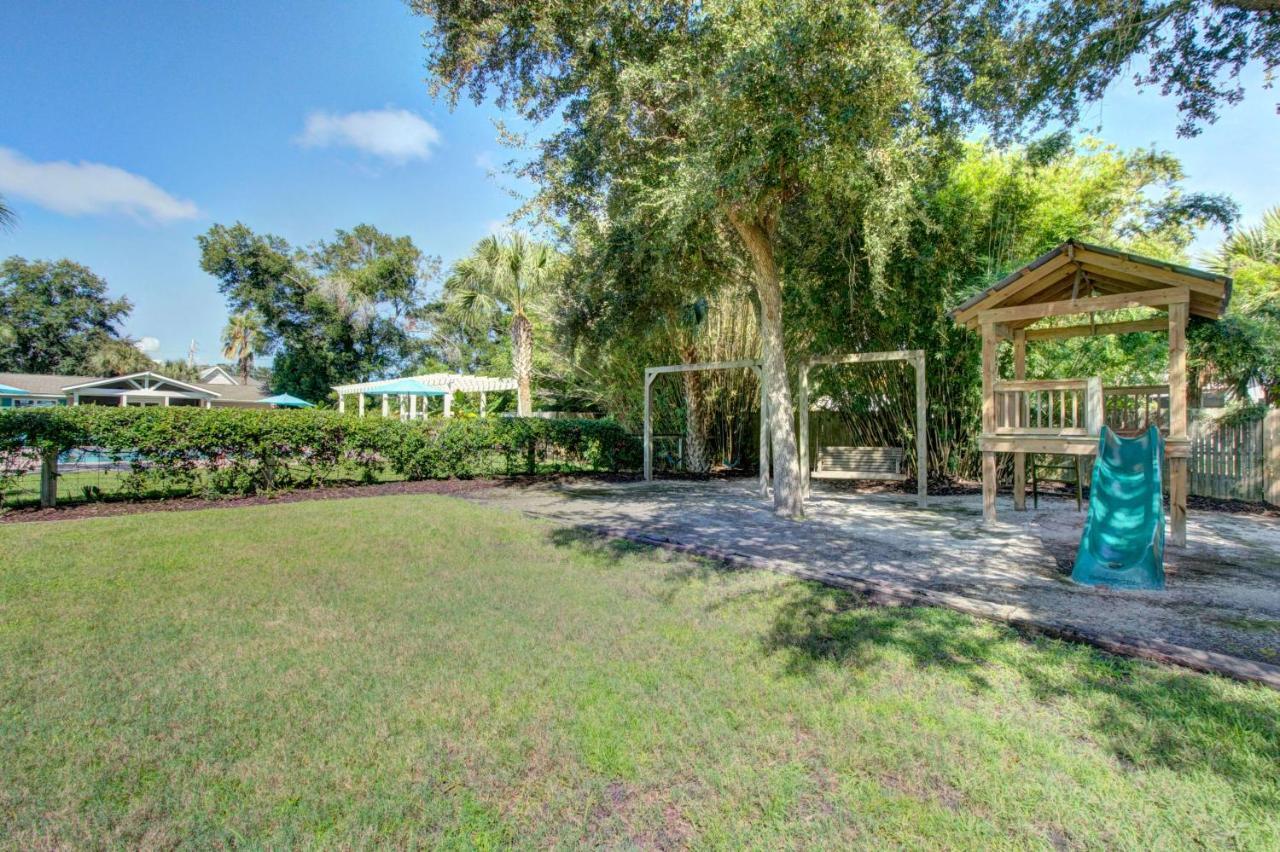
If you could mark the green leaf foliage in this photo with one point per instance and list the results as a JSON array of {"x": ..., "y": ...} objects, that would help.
[{"x": 244, "y": 451}]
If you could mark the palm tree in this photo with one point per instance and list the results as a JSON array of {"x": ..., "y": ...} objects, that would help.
[
  {"x": 241, "y": 340},
  {"x": 7, "y": 216},
  {"x": 119, "y": 357},
  {"x": 506, "y": 276},
  {"x": 1256, "y": 244}
]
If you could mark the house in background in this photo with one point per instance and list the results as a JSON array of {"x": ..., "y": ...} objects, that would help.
[
  {"x": 136, "y": 389},
  {"x": 217, "y": 375}
]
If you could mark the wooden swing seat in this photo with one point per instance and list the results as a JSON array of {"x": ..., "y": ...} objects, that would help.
[{"x": 883, "y": 463}]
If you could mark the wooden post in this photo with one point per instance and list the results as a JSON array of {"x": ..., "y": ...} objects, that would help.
[
  {"x": 764, "y": 435},
  {"x": 1177, "y": 445},
  {"x": 803, "y": 402},
  {"x": 1020, "y": 459},
  {"x": 1271, "y": 457},
  {"x": 989, "y": 350},
  {"x": 648, "y": 426},
  {"x": 1095, "y": 412},
  {"x": 49, "y": 479},
  {"x": 922, "y": 432}
]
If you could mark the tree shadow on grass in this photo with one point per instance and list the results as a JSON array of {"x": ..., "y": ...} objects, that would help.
[{"x": 1144, "y": 715}]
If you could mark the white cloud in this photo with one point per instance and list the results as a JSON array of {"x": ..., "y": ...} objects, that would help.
[
  {"x": 396, "y": 135},
  {"x": 148, "y": 345},
  {"x": 88, "y": 189}
]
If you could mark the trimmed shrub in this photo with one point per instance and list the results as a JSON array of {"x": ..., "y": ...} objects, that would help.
[{"x": 245, "y": 451}]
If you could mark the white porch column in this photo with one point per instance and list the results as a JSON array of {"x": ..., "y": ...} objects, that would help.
[
  {"x": 342, "y": 403},
  {"x": 484, "y": 399},
  {"x": 400, "y": 407},
  {"x": 386, "y": 406},
  {"x": 362, "y": 403},
  {"x": 448, "y": 404},
  {"x": 124, "y": 400},
  {"x": 413, "y": 407},
  {"x": 166, "y": 402}
]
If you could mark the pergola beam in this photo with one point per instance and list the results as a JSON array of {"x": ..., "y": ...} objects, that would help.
[
  {"x": 1097, "y": 329},
  {"x": 1118, "y": 301}
]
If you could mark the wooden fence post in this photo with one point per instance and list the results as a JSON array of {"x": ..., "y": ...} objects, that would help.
[
  {"x": 49, "y": 479},
  {"x": 1271, "y": 457}
]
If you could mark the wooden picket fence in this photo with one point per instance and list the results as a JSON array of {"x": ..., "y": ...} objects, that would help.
[{"x": 1230, "y": 460}]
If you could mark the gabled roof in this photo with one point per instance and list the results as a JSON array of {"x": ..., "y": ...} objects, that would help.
[
  {"x": 1076, "y": 269},
  {"x": 217, "y": 370},
  {"x": 146, "y": 377}
]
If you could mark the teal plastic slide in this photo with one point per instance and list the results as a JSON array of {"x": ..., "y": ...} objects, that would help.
[{"x": 1123, "y": 541}]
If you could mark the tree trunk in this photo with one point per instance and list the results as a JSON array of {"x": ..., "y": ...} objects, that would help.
[
  {"x": 246, "y": 365},
  {"x": 695, "y": 423},
  {"x": 522, "y": 362},
  {"x": 757, "y": 237}
]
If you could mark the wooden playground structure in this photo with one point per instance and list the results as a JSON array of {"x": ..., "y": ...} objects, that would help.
[{"x": 1065, "y": 416}]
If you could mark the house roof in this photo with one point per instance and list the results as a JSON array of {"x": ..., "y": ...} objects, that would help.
[
  {"x": 43, "y": 384},
  {"x": 147, "y": 378},
  {"x": 55, "y": 386},
  {"x": 1077, "y": 268},
  {"x": 218, "y": 369}
]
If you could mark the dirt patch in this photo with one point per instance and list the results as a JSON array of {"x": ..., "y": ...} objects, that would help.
[{"x": 187, "y": 504}]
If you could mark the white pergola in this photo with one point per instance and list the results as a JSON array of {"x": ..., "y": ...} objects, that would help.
[{"x": 449, "y": 383}]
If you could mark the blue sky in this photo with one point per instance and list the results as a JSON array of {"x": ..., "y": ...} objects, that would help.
[{"x": 301, "y": 117}]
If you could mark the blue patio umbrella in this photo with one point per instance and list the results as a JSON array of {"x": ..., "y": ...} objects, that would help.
[
  {"x": 405, "y": 387},
  {"x": 285, "y": 400}
]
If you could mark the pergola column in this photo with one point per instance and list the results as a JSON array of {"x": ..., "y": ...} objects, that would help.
[
  {"x": 342, "y": 403},
  {"x": 1020, "y": 459},
  {"x": 413, "y": 407},
  {"x": 362, "y": 404},
  {"x": 448, "y": 404},
  {"x": 484, "y": 404},
  {"x": 386, "y": 406}
]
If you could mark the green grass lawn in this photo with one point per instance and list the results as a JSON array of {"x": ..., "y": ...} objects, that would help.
[{"x": 418, "y": 670}]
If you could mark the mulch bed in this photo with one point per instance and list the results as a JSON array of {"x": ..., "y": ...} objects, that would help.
[
  {"x": 187, "y": 504},
  {"x": 110, "y": 508}
]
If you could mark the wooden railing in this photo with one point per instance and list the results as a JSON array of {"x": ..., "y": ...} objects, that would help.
[
  {"x": 1049, "y": 407},
  {"x": 1130, "y": 409}
]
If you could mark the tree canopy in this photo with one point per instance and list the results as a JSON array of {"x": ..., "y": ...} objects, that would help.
[
  {"x": 333, "y": 312},
  {"x": 55, "y": 316}
]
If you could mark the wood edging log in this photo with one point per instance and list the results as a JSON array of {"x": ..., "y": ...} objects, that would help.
[{"x": 886, "y": 593}]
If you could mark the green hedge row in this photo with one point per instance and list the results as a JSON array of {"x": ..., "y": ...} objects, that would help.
[{"x": 243, "y": 451}]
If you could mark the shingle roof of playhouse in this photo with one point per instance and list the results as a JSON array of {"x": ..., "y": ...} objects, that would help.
[{"x": 1078, "y": 269}]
